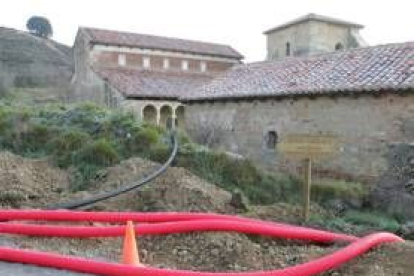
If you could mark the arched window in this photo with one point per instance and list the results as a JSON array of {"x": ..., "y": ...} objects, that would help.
[
  {"x": 271, "y": 140},
  {"x": 339, "y": 46},
  {"x": 179, "y": 113},
  {"x": 149, "y": 114},
  {"x": 287, "y": 49},
  {"x": 166, "y": 116}
]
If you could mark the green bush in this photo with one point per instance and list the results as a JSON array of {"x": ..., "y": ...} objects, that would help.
[
  {"x": 159, "y": 153},
  {"x": 65, "y": 146},
  {"x": 141, "y": 140},
  {"x": 100, "y": 153}
]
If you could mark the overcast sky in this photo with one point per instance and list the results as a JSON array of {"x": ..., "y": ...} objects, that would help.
[{"x": 239, "y": 23}]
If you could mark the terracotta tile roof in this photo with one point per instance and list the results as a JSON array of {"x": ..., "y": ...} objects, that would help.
[
  {"x": 370, "y": 69},
  {"x": 315, "y": 17},
  {"x": 117, "y": 38},
  {"x": 141, "y": 83}
]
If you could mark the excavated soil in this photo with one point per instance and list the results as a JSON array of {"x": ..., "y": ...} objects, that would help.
[
  {"x": 179, "y": 190},
  {"x": 28, "y": 183},
  {"x": 176, "y": 190}
]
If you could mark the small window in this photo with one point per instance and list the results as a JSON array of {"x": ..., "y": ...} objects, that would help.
[
  {"x": 203, "y": 66},
  {"x": 146, "y": 62},
  {"x": 184, "y": 65},
  {"x": 166, "y": 63},
  {"x": 339, "y": 46},
  {"x": 287, "y": 49},
  {"x": 121, "y": 60},
  {"x": 271, "y": 140}
]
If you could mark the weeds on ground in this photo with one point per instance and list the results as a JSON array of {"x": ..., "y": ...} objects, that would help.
[{"x": 358, "y": 221}]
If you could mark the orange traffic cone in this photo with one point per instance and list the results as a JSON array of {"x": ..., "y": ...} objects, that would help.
[{"x": 130, "y": 251}]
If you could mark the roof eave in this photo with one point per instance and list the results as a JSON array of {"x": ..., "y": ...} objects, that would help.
[
  {"x": 341, "y": 92},
  {"x": 155, "y": 98}
]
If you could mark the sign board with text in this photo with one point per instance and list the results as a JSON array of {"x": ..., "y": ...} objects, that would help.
[{"x": 309, "y": 146}]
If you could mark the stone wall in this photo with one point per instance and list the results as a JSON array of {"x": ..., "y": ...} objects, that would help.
[
  {"x": 394, "y": 192},
  {"x": 365, "y": 126}
]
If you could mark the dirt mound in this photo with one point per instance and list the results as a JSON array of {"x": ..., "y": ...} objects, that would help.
[
  {"x": 176, "y": 190},
  {"x": 229, "y": 252},
  {"x": 29, "y": 182},
  {"x": 35, "y": 182},
  {"x": 196, "y": 251}
]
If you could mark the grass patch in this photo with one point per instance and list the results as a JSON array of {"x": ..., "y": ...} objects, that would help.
[
  {"x": 233, "y": 175},
  {"x": 372, "y": 219},
  {"x": 349, "y": 193},
  {"x": 357, "y": 222}
]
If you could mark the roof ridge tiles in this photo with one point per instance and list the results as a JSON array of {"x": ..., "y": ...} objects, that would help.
[
  {"x": 131, "y": 39},
  {"x": 370, "y": 68}
]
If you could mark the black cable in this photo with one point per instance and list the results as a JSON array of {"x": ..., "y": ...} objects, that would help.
[{"x": 106, "y": 195}]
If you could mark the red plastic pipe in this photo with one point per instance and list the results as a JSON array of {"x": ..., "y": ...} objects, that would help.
[
  {"x": 187, "y": 224},
  {"x": 173, "y": 222}
]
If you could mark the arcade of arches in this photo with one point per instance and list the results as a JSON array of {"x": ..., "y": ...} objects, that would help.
[{"x": 165, "y": 115}]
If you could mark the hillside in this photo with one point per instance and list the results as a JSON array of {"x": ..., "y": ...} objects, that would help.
[{"x": 30, "y": 61}]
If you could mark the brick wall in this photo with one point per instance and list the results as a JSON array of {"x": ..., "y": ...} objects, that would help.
[
  {"x": 365, "y": 125},
  {"x": 133, "y": 60}
]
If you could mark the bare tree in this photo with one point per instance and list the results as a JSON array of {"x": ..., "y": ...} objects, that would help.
[{"x": 209, "y": 134}]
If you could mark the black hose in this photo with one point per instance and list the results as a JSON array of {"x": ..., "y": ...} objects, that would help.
[{"x": 106, "y": 195}]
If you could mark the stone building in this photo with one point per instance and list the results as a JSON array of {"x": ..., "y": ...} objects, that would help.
[
  {"x": 362, "y": 96},
  {"x": 320, "y": 78},
  {"x": 144, "y": 73},
  {"x": 312, "y": 34}
]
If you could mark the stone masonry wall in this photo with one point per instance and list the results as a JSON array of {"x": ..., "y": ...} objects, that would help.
[
  {"x": 365, "y": 126},
  {"x": 308, "y": 38}
]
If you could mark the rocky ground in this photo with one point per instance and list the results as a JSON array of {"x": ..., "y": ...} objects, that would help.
[{"x": 34, "y": 184}]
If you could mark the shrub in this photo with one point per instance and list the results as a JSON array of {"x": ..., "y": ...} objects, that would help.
[
  {"x": 159, "y": 153},
  {"x": 141, "y": 140},
  {"x": 32, "y": 139},
  {"x": 100, "y": 152},
  {"x": 88, "y": 117},
  {"x": 65, "y": 146}
]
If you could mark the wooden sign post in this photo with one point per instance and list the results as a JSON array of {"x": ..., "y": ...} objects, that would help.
[{"x": 308, "y": 147}]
